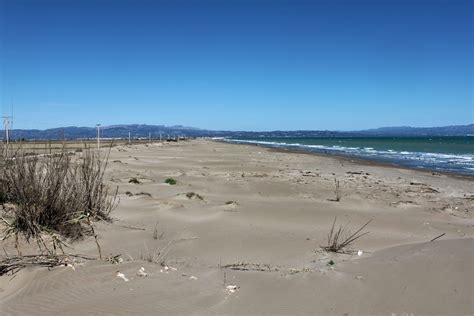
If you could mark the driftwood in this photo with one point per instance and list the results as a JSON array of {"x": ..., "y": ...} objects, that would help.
[
  {"x": 14, "y": 264},
  {"x": 247, "y": 266},
  {"x": 438, "y": 237},
  {"x": 130, "y": 227}
]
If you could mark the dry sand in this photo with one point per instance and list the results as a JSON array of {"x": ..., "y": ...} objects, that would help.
[{"x": 268, "y": 212}]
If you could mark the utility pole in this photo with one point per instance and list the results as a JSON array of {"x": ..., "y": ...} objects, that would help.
[
  {"x": 160, "y": 136},
  {"x": 7, "y": 125},
  {"x": 129, "y": 139},
  {"x": 7, "y": 121},
  {"x": 98, "y": 136}
]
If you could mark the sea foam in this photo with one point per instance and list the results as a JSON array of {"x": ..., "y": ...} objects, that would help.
[{"x": 460, "y": 163}]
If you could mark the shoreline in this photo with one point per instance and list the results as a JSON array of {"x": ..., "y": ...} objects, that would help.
[{"x": 360, "y": 160}]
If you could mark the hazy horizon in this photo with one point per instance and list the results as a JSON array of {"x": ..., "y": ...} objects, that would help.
[
  {"x": 239, "y": 130},
  {"x": 237, "y": 65}
]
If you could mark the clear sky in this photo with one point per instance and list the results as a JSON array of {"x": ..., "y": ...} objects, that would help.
[{"x": 237, "y": 65}]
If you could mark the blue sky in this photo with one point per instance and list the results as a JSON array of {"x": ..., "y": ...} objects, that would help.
[{"x": 237, "y": 65}]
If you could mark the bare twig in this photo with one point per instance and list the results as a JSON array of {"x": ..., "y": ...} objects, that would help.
[
  {"x": 155, "y": 232},
  {"x": 438, "y": 237},
  {"x": 95, "y": 235},
  {"x": 337, "y": 190},
  {"x": 130, "y": 227}
]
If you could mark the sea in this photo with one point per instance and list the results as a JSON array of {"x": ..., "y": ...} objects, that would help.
[{"x": 445, "y": 154}]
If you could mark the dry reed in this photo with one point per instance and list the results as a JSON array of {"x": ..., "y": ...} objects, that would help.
[
  {"x": 341, "y": 238},
  {"x": 54, "y": 195}
]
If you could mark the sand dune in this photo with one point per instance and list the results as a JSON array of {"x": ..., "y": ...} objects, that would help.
[{"x": 263, "y": 215}]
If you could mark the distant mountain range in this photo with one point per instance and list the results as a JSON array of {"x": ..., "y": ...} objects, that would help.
[
  {"x": 454, "y": 130},
  {"x": 143, "y": 131}
]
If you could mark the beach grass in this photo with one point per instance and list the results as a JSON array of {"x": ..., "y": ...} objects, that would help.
[
  {"x": 341, "y": 238},
  {"x": 54, "y": 195}
]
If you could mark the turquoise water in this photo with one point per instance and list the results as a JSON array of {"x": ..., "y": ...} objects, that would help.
[{"x": 453, "y": 154}]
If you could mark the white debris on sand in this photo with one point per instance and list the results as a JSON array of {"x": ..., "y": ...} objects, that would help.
[
  {"x": 122, "y": 276},
  {"x": 231, "y": 288},
  {"x": 167, "y": 269},
  {"x": 142, "y": 272},
  {"x": 192, "y": 277},
  {"x": 71, "y": 266}
]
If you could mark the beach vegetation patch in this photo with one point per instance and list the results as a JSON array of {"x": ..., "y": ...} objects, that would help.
[
  {"x": 54, "y": 196},
  {"x": 157, "y": 256},
  {"x": 171, "y": 181},
  {"x": 134, "y": 180},
  {"x": 192, "y": 195},
  {"x": 339, "y": 239}
]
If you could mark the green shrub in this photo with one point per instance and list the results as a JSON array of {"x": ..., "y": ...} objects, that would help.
[{"x": 171, "y": 181}]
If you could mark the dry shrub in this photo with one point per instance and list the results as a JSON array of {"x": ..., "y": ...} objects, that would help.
[
  {"x": 339, "y": 239},
  {"x": 155, "y": 232},
  {"x": 3, "y": 193},
  {"x": 337, "y": 190},
  {"x": 96, "y": 197},
  {"x": 158, "y": 256},
  {"x": 52, "y": 194}
]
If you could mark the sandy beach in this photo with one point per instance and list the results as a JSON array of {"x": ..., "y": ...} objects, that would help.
[{"x": 241, "y": 233}]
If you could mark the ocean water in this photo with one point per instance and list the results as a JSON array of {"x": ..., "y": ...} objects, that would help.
[{"x": 452, "y": 154}]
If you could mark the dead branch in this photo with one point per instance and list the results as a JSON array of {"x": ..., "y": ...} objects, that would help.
[{"x": 14, "y": 264}]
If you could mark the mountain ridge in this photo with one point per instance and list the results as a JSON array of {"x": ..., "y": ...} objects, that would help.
[{"x": 144, "y": 130}]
